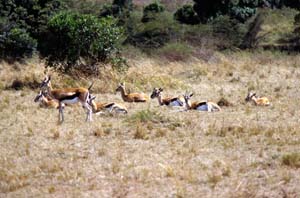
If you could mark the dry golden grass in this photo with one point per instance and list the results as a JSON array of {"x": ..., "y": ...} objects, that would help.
[{"x": 242, "y": 151}]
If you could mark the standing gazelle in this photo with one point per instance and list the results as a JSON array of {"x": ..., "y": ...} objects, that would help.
[
  {"x": 200, "y": 106},
  {"x": 68, "y": 96},
  {"x": 131, "y": 97},
  {"x": 260, "y": 101},
  {"x": 110, "y": 107},
  {"x": 169, "y": 101}
]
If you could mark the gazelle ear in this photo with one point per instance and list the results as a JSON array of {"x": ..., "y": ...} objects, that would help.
[
  {"x": 191, "y": 94},
  {"x": 161, "y": 89},
  {"x": 92, "y": 98}
]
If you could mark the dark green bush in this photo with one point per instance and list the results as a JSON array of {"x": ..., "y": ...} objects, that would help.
[
  {"x": 154, "y": 33},
  {"x": 151, "y": 11},
  {"x": 16, "y": 42},
  {"x": 77, "y": 36},
  {"x": 229, "y": 30},
  {"x": 242, "y": 13},
  {"x": 119, "y": 9},
  {"x": 240, "y": 10},
  {"x": 207, "y": 10},
  {"x": 23, "y": 24},
  {"x": 125, "y": 4},
  {"x": 292, "y": 3},
  {"x": 187, "y": 15}
]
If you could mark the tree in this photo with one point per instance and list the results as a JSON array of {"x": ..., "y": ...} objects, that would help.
[
  {"x": 26, "y": 22},
  {"x": 187, "y": 15},
  {"x": 79, "y": 36},
  {"x": 16, "y": 43},
  {"x": 207, "y": 10}
]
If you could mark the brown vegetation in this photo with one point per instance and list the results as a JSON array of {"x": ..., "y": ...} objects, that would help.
[{"x": 242, "y": 151}]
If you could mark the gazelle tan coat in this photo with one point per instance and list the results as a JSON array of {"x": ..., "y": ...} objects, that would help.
[
  {"x": 168, "y": 101},
  {"x": 45, "y": 101},
  {"x": 109, "y": 107},
  {"x": 131, "y": 97},
  {"x": 260, "y": 101},
  {"x": 200, "y": 106},
  {"x": 68, "y": 96}
]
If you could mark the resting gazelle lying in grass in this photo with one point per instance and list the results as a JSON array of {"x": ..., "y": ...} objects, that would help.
[
  {"x": 200, "y": 106},
  {"x": 45, "y": 101},
  {"x": 109, "y": 107},
  {"x": 68, "y": 96},
  {"x": 131, "y": 97},
  {"x": 169, "y": 101},
  {"x": 260, "y": 101}
]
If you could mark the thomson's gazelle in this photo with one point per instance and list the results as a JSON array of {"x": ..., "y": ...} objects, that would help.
[
  {"x": 260, "y": 101},
  {"x": 131, "y": 97},
  {"x": 169, "y": 101},
  {"x": 45, "y": 101},
  {"x": 110, "y": 107},
  {"x": 200, "y": 106},
  {"x": 68, "y": 96}
]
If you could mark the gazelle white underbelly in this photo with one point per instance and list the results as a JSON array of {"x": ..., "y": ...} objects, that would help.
[
  {"x": 203, "y": 107},
  {"x": 70, "y": 101},
  {"x": 176, "y": 103}
]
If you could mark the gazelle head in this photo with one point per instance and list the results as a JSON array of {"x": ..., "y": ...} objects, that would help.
[
  {"x": 156, "y": 92},
  {"x": 187, "y": 97},
  {"x": 121, "y": 87},
  {"x": 46, "y": 82},
  {"x": 250, "y": 96}
]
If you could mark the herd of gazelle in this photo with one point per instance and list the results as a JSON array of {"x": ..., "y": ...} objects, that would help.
[{"x": 58, "y": 98}]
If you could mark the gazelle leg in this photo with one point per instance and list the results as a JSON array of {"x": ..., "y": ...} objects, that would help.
[
  {"x": 111, "y": 109},
  {"x": 209, "y": 108},
  {"x": 89, "y": 112},
  {"x": 61, "y": 113}
]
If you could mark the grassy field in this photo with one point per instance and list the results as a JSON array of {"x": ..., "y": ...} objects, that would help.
[{"x": 242, "y": 151}]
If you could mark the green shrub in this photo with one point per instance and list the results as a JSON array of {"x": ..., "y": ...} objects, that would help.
[
  {"x": 77, "y": 36},
  {"x": 242, "y": 13},
  {"x": 119, "y": 9},
  {"x": 207, "y": 10},
  {"x": 187, "y": 15},
  {"x": 151, "y": 11},
  {"x": 230, "y": 31},
  {"x": 155, "y": 33},
  {"x": 23, "y": 24},
  {"x": 16, "y": 42}
]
